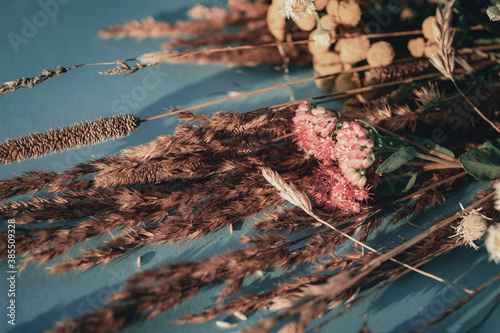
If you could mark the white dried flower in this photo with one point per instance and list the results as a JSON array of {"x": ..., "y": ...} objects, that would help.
[
  {"x": 493, "y": 243},
  {"x": 296, "y": 9},
  {"x": 322, "y": 38},
  {"x": 497, "y": 196},
  {"x": 494, "y": 12},
  {"x": 472, "y": 227}
]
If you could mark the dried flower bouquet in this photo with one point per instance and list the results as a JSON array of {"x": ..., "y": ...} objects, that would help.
[{"x": 333, "y": 177}]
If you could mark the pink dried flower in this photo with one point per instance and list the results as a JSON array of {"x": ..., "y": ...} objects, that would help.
[
  {"x": 313, "y": 131},
  {"x": 353, "y": 152},
  {"x": 331, "y": 189}
]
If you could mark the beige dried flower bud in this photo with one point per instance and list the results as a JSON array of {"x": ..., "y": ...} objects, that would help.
[
  {"x": 353, "y": 50},
  {"x": 276, "y": 22},
  {"x": 332, "y": 7},
  {"x": 427, "y": 28},
  {"x": 416, "y": 47},
  {"x": 328, "y": 22},
  {"x": 380, "y": 54},
  {"x": 327, "y": 63},
  {"x": 349, "y": 13},
  {"x": 493, "y": 243}
]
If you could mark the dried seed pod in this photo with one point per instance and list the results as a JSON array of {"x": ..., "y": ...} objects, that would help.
[{"x": 90, "y": 132}]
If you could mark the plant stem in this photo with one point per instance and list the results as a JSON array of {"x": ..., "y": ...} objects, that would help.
[
  {"x": 460, "y": 303},
  {"x": 417, "y": 145},
  {"x": 432, "y": 166},
  {"x": 474, "y": 107},
  {"x": 438, "y": 160}
]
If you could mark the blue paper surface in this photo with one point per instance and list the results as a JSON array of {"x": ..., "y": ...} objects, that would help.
[{"x": 30, "y": 43}]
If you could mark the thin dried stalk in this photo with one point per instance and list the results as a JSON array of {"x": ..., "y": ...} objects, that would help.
[
  {"x": 33, "y": 81},
  {"x": 459, "y": 304}
]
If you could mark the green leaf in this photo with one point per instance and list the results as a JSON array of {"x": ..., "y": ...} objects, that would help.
[
  {"x": 397, "y": 159},
  {"x": 390, "y": 142},
  {"x": 431, "y": 145},
  {"x": 396, "y": 186},
  {"x": 482, "y": 163},
  {"x": 493, "y": 144}
]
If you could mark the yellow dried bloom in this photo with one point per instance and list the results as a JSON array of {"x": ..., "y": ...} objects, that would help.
[
  {"x": 306, "y": 22},
  {"x": 320, "y": 4},
  {"x": 327, "y": 63},
  {"x": 427, "y": 28},
  {"x": 380, "y": 54},
  {"x": 328, "y": 22},
  {"x": 352, "y": 50},
  {"x": 332, "y": 7},
  {"x": 416, "y": 46},
  {"x": 347, "y": 13}
]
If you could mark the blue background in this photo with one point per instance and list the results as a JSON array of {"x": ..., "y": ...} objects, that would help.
[{"x": 68, "y": 37}]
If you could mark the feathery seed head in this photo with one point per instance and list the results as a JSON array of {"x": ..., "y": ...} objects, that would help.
[{"x": 471, "y": 227}]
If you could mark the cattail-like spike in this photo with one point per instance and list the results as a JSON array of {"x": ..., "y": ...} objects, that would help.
[{"x": 90, "y": 132}]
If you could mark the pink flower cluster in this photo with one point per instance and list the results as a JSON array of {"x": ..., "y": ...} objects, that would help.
[
  {"x": 353, "y": 152},
  {"x": 341, "y": 181},
  {"x": 331, "y": 189},
  {"x": 313, "y": 131}
]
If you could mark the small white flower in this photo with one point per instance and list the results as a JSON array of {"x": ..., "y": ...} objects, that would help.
[
  {"x": 497, "y": 196},
  {"x": 322, "y": 38},
  {"x": 493, "y": 243},
  {"x": 295, "y": 9},
  {"x": 472, "y": 227}
]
